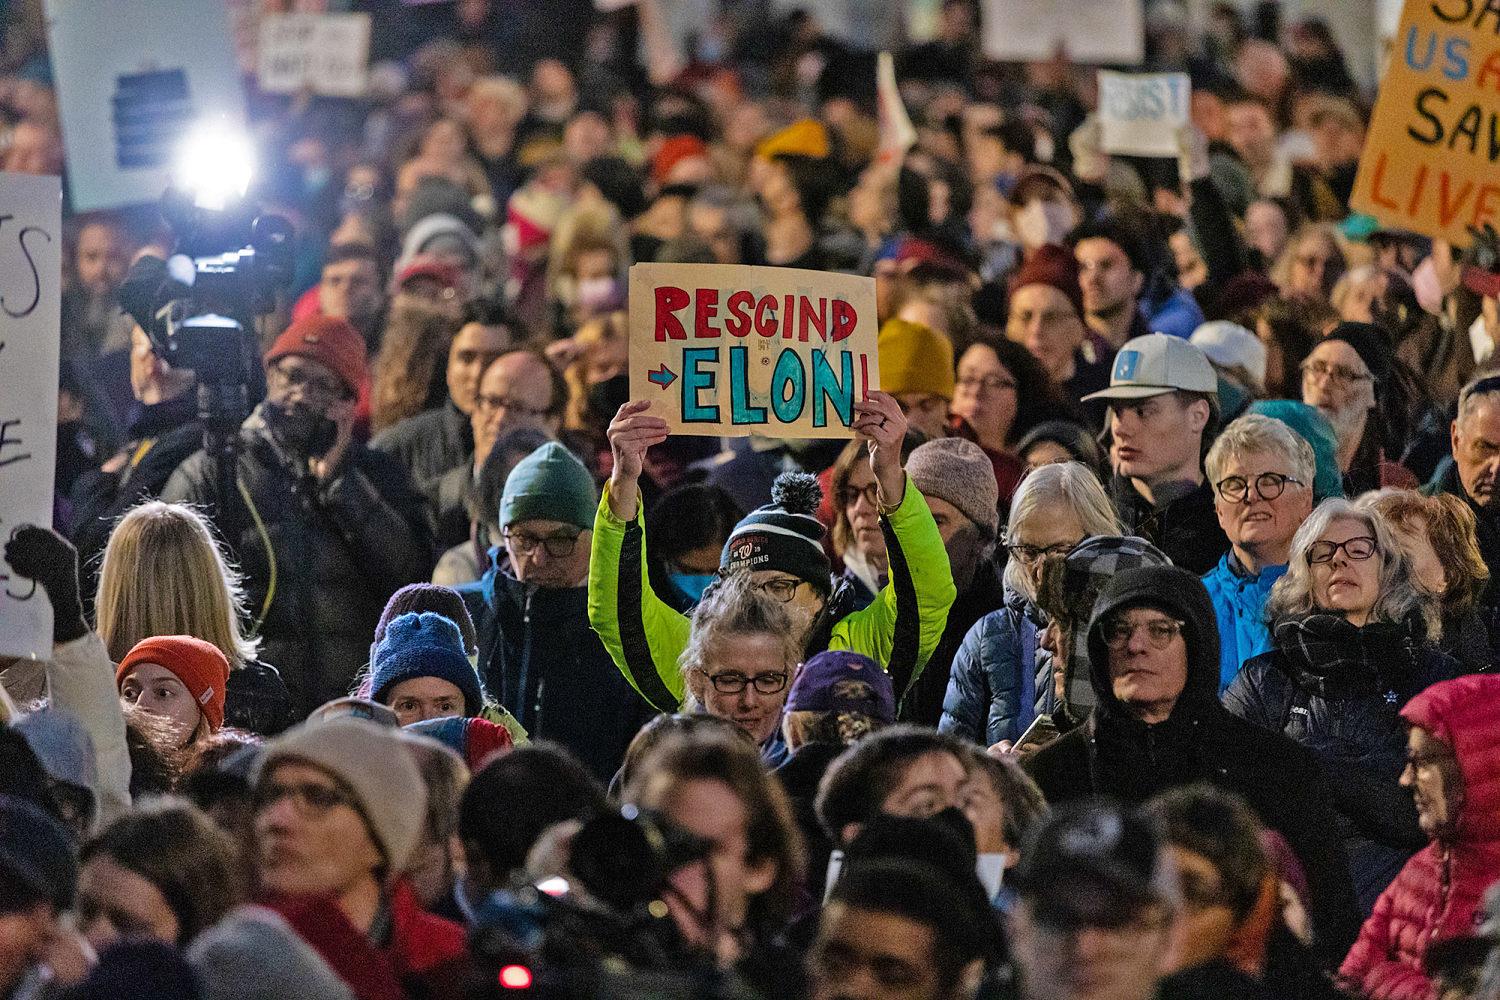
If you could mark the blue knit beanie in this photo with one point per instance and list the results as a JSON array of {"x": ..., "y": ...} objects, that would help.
[{"x": 424, "y": 645}]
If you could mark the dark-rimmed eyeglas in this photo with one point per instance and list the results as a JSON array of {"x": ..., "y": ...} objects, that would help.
[
  {"x": 1268, "y": 486},
  {"x": 729, "y": 683},
  {"x": 1031, "y": 554},
  {"x": 556, "y": 546},
  {"x": 1358, "y": 549}
]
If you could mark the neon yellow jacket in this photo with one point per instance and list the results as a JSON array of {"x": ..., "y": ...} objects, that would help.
[{"x": 645, "y": 636}]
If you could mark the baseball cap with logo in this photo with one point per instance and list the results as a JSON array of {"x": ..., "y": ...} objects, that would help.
[{"x": 1156, "y": 364}]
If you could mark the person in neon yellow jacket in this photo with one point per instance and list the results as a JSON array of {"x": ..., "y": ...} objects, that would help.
[{"x": 779, "y": 545}]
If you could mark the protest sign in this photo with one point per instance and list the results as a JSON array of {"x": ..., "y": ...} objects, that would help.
[
  {"x": 897, "y": 134},
  {"x": 30, "y": 301},
  {"x": 1429, "y": 162},
  {"x": 1142, "y": 114},
  {"x": 133, "y": 78},
  {"x": 326, "y": 54},
  {"x": 720, "y": 349},
  {"x": 1110, "y": 32}
]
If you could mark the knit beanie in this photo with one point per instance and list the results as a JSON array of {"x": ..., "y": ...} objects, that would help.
[
  {"x": 1370, "y": 343},
  {"x": 328, "y": 340},
  {"x": 1316, "y": 430},
  {"x": 915, "y": 358},
  {"x": 784, "y": 535},
  {"x": 424, "y": 645},
  {"x": 140, "y": 970},
  {"x": 475, "y": 740},
  {"x": 63, "y": 745},
  {"x": 959, "y": 472},
  {"x": 674, "y": 151},
  {"x": 1054, "y": 267},
  {"x": 802, "y": 138},
  {"x": 550, "y": 484},
  {"x": 415, "y": 598},
  {"x": 200, "y": 666},
  {"x": 372, "y": 762}
]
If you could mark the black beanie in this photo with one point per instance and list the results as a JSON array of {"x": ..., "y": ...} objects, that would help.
[
  {"x": 784, "y": 535},
  {"x": 1370, "y": 343}
]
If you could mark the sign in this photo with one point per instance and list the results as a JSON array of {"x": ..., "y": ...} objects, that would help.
[
  {"x": 1110, "y": 32},
  {"x": 897, "y": 134},
  {"x": 1433, "y": 146},
  {"x": 133, "y": 76},
  {"x": 30, "y": 302},
  {"x": 1142, "y": 114},
  {"x": 326, "y": 54},
  {"x": 720, "y": 349}
]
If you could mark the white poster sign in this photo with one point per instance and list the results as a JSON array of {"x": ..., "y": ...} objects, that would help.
[
  {"x": 30, "y": 300},
  {"x": 1110, "y": 32},
  {"x": 133, "y": 78},
  {"x": 328, "y": 54},
  {"x": 1142, "y": 114}
]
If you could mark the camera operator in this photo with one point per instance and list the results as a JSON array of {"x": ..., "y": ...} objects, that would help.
[
  {"x": 736, "y": 904},
  {"x": 325, "y": 530},
  {"x": 164, "y": 431}
]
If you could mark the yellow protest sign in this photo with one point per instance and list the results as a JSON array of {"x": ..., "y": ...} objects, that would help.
[
  {"x": 720, "y": 349},
  {"x": 1431, "y": 153}
]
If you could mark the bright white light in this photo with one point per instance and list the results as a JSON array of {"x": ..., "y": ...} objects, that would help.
[{"x": 214, "y": 165}]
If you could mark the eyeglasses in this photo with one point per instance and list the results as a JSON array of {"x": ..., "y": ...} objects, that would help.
[
  {"x": 736, "y": 683},
  {"x": 1031, "y": 554},
  {"x": 871, "y": 493},
  {"x": 509, "y": 405},
  {"x": 1268, "y": 486},
  {"x": 782, "y": 590},
  {"x": 310, "y": 799},
  {"x": 557, "y": 546},
  {"x": 1159, "y": 631},
  {"x": 283, "y": 378},
  {"x": 1358, "y": 549},
  {"x": 994, "y": 383},
  {"x": 1336, "y": 373}
]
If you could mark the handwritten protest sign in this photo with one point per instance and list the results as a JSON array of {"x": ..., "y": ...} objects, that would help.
[
  {"x": 1141, "y": 114},
  {"x": 725, "y": 350},
  {"x": 30, "y": 300},
  {"x": 1431, "y": 152},
  {"x": 1110, "y": 32},
  {"x": 325, "y": 53}
]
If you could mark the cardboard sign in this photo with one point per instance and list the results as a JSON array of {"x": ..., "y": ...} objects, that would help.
[
  {"x": 1431, "y": 161},
  {"x": 1109, "y": 32},
  {"x": 1142, "y": 114},
  {"x": 30, "y": 302},
  {"x": 133, "y": 78},
  {"x": 720, "y": 349},
  {"x": 897, "y": 134},
  {"x": 327, "y": 54}
]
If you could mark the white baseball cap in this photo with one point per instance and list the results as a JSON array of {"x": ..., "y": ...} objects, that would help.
[
  {"x": 1229, "y": 344},
  {"x": 1155, "y": 364}
]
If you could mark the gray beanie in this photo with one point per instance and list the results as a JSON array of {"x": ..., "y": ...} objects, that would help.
[
  {"x": 959, "y": 472},
  {"x": 373, "y": 762}
]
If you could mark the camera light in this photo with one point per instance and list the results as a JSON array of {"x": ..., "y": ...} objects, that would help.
[
  {"x": 214, "y": 165},
  {"x": 515, "y": 977}
]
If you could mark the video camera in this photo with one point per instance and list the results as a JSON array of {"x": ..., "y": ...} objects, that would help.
[
  {"x": 606, "y": 933},
  {"x": 198, "y": 308}
]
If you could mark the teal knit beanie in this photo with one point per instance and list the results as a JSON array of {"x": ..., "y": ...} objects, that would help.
[{"x": 550, "y": 484}]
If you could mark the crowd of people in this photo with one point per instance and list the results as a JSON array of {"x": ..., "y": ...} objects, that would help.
[{"x": 1140, "y": 642}]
